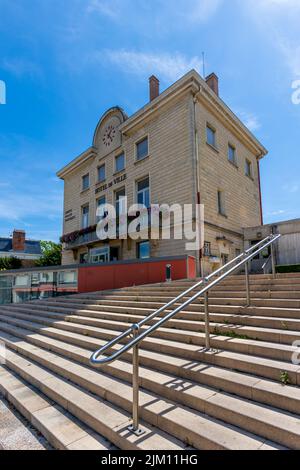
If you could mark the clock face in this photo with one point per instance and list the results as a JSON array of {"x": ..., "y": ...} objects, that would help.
[{"x": 109, "y": 135}]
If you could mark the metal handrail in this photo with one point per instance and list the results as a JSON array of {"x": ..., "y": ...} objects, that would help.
[
  {"x": 241, "y": 260},
  {"x": 105, "y": 360},
  {"x": 266, "y": 264}
]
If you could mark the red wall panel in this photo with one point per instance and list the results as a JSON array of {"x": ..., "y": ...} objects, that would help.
[{"x": 118, "y": 275}]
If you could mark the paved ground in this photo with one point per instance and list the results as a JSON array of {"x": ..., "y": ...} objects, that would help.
[{"x": 16, "y": 433}]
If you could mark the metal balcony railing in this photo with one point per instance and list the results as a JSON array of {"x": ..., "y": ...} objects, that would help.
[{"x": 206, "y": 285}]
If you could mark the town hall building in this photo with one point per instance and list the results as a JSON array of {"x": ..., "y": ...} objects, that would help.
[{"x": 185, "y": 147}]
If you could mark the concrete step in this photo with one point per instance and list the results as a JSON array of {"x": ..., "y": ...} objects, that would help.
[
  {"x": 139, "y": 308},
  {"x": 181, "y": 330},
  {"x": 93, "y": 309},
  {"x": 168, "y": 296},
  {"x": 270, "y": 423},
  {"x": 60, "y": 429},
  {"x": 247, "y": 363},
  {"x": 281, "y": 352},
  {"x": 243, "y": 385},
  {"x": 183, "y": 320},
  {"x": 110, "y": 421},
  {"x": 155, "y": 304}
]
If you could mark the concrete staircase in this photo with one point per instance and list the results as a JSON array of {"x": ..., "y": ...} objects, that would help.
[{"x": 241, "y": 395}]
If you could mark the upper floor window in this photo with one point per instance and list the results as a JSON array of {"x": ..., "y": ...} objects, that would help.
[
  {"x": 101, "y": 173},
  {"x": 211, "y": 136},
  {"x": 85, "y": 211},
  {"x": 142, "y": 149},
  {"x": 120, "y": 162},
  {"x": 248, "y": 168},
  {"x": 207, "y": 249},
  {"x": 232, "y": 154},
  {"x": 85, "y": 182},
  {"x": 120, "y": 197},
  {"x": 143, "y": 192},
  {"x": 100, "y": 208},
  {"x": 221, "y": 203}
]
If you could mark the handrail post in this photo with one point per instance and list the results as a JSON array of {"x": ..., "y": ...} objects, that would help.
[
  {"x": 207, "y": 323},
  {"x": 273, "y": 261},
  {"x": 135, "y": 386},
  {"x": 247, "y": 284}
]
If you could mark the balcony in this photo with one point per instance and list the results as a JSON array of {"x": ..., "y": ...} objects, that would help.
[
  {"x": 82, "y": 240},
  {"x": 89, "y": 236}
]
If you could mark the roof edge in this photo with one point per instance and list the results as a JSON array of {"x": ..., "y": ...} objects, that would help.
[{"x": 77, "y": 161}]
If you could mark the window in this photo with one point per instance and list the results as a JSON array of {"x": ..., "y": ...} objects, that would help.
[
  {"x": 100, "y": 208},
  {"x": 120, "y": 202},
  {"x": 84, "y": 258},
  {"x": 85, "y": 216},
  {"x": 232, "y": 154},
  {"x": 22, "y": 281},
  {"x": 221, "y": 203},
  {"x": 225, "y": 259},
  {"x": 207, "y": 249},
  {"x": 120, "y": 162},
  {"x": 143, "y": 250},
  {"x": 143, "y": 192},
  {"x": 248, "y": 168},
  {"x": 211, "y": 136},
  {"x": 99, "y": 255},
  {"x": 142, "y": 149},
  {"x": 101, "y": 173},
  {"x": 85, "y": 182},
  {"x": 67, "y": 277}
]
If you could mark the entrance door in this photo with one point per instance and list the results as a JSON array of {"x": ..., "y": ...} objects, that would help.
[
  {"x": 224, "y": 258},
  {"x": 99, "y": 255},
  {"x": 114, "y": 253}
]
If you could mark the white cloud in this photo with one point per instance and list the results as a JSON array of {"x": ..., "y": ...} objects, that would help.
[
  {"x": 291, "y": 188},
  {"x": 19, "y": 205},
  {"x": 20, "y": 67},
  {"x": 276, "y": 4},
  {"x": 279, "y": 21},
  {"x": 196, "y": 10},
  {"x": 249, "y": 119},
  {"x": 163, "y": 12},
  {"x": 291, "y": 53},
  {"x": 276, "y": 213},
  {"x": 104, "y": 7},
  {"x": 168, "y": 67}
]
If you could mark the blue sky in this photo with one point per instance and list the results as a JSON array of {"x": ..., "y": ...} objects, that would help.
[{"x": 65, "y": 62}]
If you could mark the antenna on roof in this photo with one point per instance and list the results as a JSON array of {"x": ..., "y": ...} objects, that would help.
[{"x": 203, "y": 63}]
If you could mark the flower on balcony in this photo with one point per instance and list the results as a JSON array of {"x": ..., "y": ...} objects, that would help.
[{"x": 73, "y": 236}]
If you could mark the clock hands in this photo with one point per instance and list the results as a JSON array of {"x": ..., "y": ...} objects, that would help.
[{"x": 109, "y": 135}]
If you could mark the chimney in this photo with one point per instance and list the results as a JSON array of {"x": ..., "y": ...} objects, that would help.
[
  {"x": 213, "y": 82},
  {"x": 154, "y": 87},
  {"x": 18, "y": 240}
]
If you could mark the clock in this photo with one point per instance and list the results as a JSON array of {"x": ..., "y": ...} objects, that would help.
[{"x": 109, "y": 135}]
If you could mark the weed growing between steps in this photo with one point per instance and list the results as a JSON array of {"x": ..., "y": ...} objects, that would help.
[
  {"x": 231, "y": 334},
  {"x": 284, "y": 378}
]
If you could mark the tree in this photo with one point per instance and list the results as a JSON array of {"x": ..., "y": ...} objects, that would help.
[
  {"x": 10, "y": 263},
  {"x": 51, "y": 254}
]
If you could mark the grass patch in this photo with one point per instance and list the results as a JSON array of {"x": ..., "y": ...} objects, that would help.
[{"x": 230, "y": 334}]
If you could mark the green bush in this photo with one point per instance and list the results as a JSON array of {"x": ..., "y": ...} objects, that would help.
[
  {"x": 10, "y": 263},
  {"x": 51, "y": 254},
  {"x": 291, "y": 268}
]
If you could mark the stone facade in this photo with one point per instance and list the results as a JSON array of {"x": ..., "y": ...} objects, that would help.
[{"x": 181, "y": 166}]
